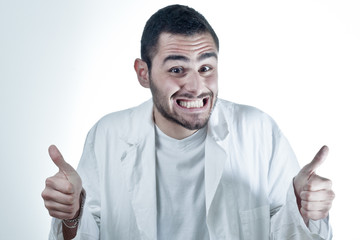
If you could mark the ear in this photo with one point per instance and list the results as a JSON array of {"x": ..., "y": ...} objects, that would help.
[{"x": 142, "y": 72}]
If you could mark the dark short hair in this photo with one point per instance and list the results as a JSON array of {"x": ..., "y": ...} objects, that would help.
[{"x": 173, "y": 19}]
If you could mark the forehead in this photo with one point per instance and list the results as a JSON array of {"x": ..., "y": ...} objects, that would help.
[{"x": 185, "y": 45}]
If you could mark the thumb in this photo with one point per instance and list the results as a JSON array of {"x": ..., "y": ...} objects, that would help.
[
  {"x": 318, "y": 159},
  {"x": 59, "y": 161}
]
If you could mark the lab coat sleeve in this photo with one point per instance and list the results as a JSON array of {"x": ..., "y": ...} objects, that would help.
[
  {"x": 88, "y": 228},
  {"x": 286, "y": 221}
]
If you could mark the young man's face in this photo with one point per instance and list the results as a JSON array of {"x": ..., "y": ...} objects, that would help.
[{"x": 184, "y": 79}]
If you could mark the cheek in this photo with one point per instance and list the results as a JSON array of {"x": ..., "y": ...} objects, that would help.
[
  {"x": 167, "y": 88},
  {"x": 170, "y": 86},
  {"x": 212, "y": 83}
]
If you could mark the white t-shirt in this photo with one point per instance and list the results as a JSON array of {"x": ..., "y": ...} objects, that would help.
[{"x": 181, "y": 211}]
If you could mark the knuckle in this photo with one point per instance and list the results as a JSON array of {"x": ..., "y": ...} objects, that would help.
[
  {"x": 304, "y": 195},
  {"x": 305, "y": 213},
  {"x": 49, "y": 181},
  {"x": 309, "y": 186},
  {"x": 70, "y": 209},
  {"x": 67, "y": 215},
  {"x": 305, "y": 204},
  {"x": 44, "y": 194},
  {"x": 68, "y": 187},
  {"x": 331, "y": 195},
  {"x": 327, "y": 184},
  {"x": 328, "y": 207},
  {"x": 73, "y": 209},
  {"x": 71, "y": 199},
  {"x": 52, "y": 214},
  {"x": 323, "y": 215},
  {"x": 47, "y": 205},
  {"x": 313, "y": 216}
]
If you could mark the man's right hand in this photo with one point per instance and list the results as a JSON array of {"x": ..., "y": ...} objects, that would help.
[{"x": 62, "y": 191}]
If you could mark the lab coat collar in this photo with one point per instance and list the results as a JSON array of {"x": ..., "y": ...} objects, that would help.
[
  {"x": 141, "y": 164},
  {"x": 216, "y": 149}
]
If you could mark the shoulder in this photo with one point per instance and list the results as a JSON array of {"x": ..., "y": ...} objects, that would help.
[
  {"x": 244, "y": 120},
  {"x": 125, "y": 122},
  {"x": 242, "y": 113}
]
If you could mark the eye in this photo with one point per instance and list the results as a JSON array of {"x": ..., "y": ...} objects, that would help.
[
  {"x": 205, "y": 69},
  {"x": 176, "y": 70}
]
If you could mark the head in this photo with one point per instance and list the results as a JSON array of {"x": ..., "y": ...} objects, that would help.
[
  {"x": 179, "y": 52},
  {"x": 174, "y": 19}
]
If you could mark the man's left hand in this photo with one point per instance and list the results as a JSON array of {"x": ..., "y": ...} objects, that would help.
[{"x": 313, "y": 193}]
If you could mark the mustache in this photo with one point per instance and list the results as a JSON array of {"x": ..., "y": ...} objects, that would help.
[{"x": 192, "y": 96}]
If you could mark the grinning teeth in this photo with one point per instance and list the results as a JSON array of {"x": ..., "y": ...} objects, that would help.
[{"x": 192, "y": 104}]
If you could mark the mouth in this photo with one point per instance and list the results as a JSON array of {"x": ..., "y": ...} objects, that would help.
[{"x": 192, "y": 103}]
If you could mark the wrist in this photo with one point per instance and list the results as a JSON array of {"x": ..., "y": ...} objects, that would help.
[{"x": 74, "y": 222}]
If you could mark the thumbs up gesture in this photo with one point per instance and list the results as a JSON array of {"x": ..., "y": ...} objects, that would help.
[
  {"x": 62, "y": 191},
  {"x": 313, "y": 193}
]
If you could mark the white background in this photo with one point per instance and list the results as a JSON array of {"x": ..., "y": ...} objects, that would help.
[{"x": 64, "y": 64}]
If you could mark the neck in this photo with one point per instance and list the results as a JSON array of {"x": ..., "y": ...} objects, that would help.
[{"x": 171, "y": 128}]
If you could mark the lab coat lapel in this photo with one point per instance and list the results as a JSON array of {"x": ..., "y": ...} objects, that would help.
[
  {"x": 141, "y": 170},
  {"x": 216, "y": 146}
]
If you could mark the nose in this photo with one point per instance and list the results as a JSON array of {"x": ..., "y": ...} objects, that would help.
[{"x": 194, "y": 83}]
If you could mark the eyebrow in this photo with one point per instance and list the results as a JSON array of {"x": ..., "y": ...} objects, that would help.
[
  {"x": 176, "y": 57},
  {"x": 207, "y": 55},
  {"x": 186, "y": 59}
]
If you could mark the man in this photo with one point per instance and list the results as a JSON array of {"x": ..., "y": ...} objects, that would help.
[{"x": 186, "y": 165}]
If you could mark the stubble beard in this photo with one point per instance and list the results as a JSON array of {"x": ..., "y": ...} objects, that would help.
[{"x": 197, "y": 123}]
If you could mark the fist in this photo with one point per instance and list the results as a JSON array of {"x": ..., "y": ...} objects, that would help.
[
  {"x": 62, "y": 191},
  {"x": 313, "y": 193}
]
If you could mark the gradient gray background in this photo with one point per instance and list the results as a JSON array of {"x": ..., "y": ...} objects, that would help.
[{"x": 64, "y": 64}]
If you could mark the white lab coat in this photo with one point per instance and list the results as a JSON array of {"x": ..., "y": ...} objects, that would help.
[{"x": 249, "y": 167}]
